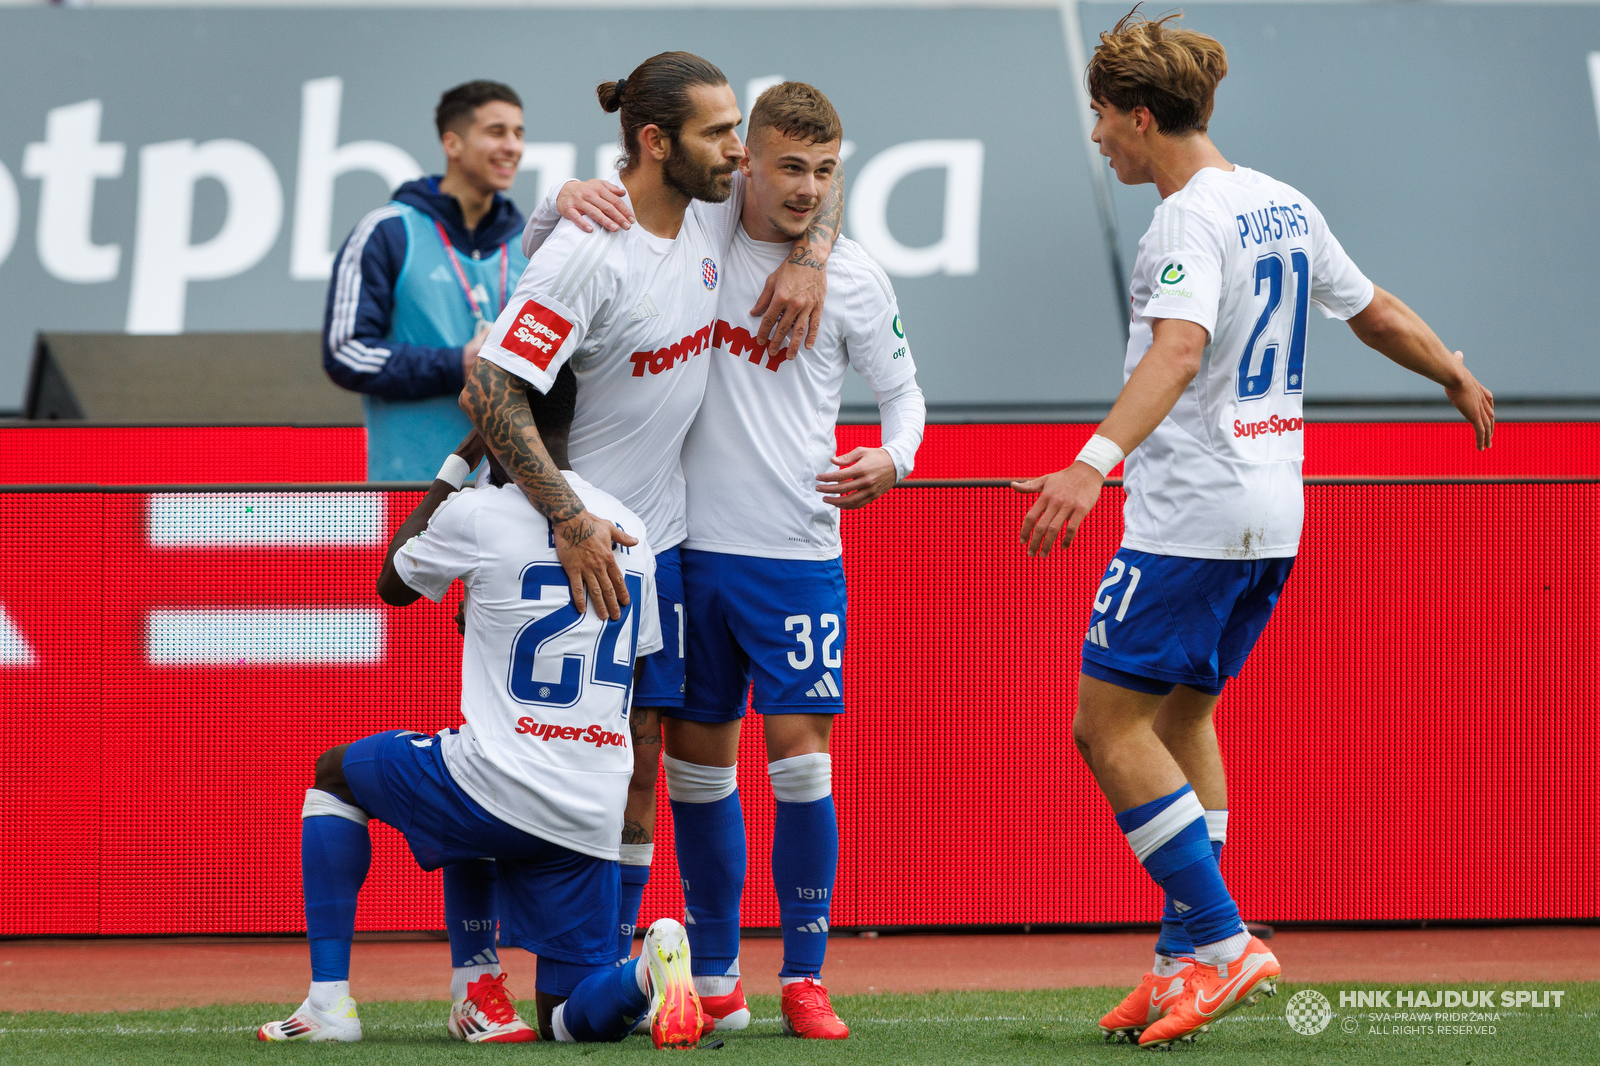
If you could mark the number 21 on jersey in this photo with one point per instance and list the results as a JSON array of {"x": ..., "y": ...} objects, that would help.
[{"x": 1258, "y": 361}]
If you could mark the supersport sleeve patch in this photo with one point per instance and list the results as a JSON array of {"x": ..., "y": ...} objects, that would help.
[{"x": 536, "y": 334}]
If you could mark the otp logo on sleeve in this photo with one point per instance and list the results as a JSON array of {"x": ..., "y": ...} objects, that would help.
[{"x": 537, "y": 334}]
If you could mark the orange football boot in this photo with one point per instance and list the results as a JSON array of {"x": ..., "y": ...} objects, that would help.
[
  {"x": 1146, "y": 1004},
  {"x": 1212, "y": 992}
]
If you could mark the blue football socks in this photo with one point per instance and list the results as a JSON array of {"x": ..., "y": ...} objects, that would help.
[
  {"x": 805, "y": 859},
  {"x": 708, "y": 829},
  {"x": 1169, "y": 836},
  {"x": 636, "y": 859},
  {"x": 335, "y": 853},
  {"x": 470, "y": 916},
  {"x": 1174, "y": 941}
]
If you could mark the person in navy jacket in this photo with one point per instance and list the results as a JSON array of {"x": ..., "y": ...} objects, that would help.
[{"x": 418, "y": 282}]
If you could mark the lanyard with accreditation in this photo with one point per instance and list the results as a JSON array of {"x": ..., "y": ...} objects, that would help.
[{"x": 461, "y": 276}]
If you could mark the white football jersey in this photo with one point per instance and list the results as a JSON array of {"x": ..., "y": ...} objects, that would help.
[
  {"x": 545, "y": 691},
  {"x": 1246, "y": 257},
  {"x": 633, "y": 313},
  {"x": 765, "y": 430}
]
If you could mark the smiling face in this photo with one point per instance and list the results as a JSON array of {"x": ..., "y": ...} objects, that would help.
[
  {"x": 701, "y": 160},
  {"x": 789, "y": 179},
  {"x": 487, "y": 151},
  {"x": 1121, "y": 137}
]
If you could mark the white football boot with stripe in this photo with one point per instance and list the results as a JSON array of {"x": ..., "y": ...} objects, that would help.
[{"x": 311, "y": 1025}]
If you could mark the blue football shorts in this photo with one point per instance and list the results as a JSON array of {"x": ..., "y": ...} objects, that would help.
[
  {"x": 777, "y": 622},
  {"x": 554, "y": 902},
  {"x": 1165, "y": 620},
  {"x": 661, "y": 677}
]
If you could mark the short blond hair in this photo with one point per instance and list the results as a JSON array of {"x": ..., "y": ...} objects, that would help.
[
  {"x": 1172, "y": 72},
  {"x": 797, "y": 110}
]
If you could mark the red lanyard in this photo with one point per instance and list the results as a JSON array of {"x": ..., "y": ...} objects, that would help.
[{"x": 461, "y": 275}]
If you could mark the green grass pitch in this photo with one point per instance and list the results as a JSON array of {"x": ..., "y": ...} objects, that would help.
[{"x": 947, "y": 1027}]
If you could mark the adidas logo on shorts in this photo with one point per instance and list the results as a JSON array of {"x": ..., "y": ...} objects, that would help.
[{"x": 825, "y": 688}]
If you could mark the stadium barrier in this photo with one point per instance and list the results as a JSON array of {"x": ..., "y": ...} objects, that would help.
[{"x": 1408, "y": 741}]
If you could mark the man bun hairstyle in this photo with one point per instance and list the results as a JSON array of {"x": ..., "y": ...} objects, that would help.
[
  {"x": 656, "y": 94},
  {"x": 1172, "y": 72},
  {"x": 457, "y": 106}
]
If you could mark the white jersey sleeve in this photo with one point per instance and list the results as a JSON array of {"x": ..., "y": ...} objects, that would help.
[
  {"x": 650, "y": 639},
  {"x": 564, "y": 296},
  {"x": 445, "y": 550},
  {"x": 542, "y": 222},
  {"x": 1338, "y": 288},
  {"x": 1189, "y": 266}
]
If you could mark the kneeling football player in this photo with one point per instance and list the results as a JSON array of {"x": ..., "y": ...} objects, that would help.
[{"x": 535, "y": 779}]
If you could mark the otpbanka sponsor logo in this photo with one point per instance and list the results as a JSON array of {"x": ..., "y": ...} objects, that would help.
[
  {"x": 1170, "y": 277},
  {"x": 1455, "y": 1013}
]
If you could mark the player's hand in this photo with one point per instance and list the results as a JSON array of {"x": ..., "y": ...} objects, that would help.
[
  {"x": 583, "y": 544},
  {"x": 472, "y": 450},
  {"x": 598, "y": 199},
  {"x": 864, "y": 474},
  {"x": 461, "y": 617},
  {"x": 791, "y": 306},
  {"x": 1065, "y": 500},
  {"x": 1475, "y": 403}
]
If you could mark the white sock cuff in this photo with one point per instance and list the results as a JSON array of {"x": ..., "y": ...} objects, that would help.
[
  {"x": 1166, "y": 825},
  {"x": 802, "y": 779},
  {"x": 319, "y": 804},
  {"x": 689, "y": 782},
  {"x": 1217, "y": 825},
  {"x": 636, "y": 854},
  {"x": 558, "y": 1025}
]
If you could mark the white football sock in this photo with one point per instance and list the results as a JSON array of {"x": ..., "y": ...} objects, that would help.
[
  {"x": 787, "y": 981},
  {"x": 1167, "y": 966},
  {"x": 462, "y": 976},
  {"x": 325, "y": 995},
  {"x": 708, "y": 984},
  {"x": 1223, "y": 950}
]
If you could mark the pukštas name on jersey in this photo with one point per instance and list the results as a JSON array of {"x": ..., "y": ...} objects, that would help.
[
  {"x": 633, "y": 313},
  {"x": 766, "y": 429},
  {"x": 1246, "y": 257},
  {"x": 545, "y": 692}
]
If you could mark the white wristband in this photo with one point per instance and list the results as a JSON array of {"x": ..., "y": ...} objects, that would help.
[
  {"x": 1101, "y": 453},
  {"x": 454, "y": 470}
]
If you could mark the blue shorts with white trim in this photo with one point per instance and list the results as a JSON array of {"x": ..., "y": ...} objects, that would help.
[
  {"x": 1165, "y": 620},
  {"x": 554, "y": 902},
  {"x": 777, "y": 622},
  {"x": 661, "y": 675}
]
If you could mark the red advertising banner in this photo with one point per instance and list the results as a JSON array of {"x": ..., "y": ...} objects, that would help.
[
  {"x": 1409, "y": 741},
  {"x": 63, "y": 454}
]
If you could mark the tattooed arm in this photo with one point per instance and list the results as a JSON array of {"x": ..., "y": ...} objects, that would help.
[
  {"x": 498, "y": 407},
  {"x": 791, "y": 303}
]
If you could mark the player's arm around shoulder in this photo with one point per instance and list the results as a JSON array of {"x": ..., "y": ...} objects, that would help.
[
  {"x": 792, "y": 300},
  {"x": 426, "y": 566}
]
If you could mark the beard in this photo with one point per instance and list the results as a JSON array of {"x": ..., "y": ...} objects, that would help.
[{"x": 698, "y": 181}]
